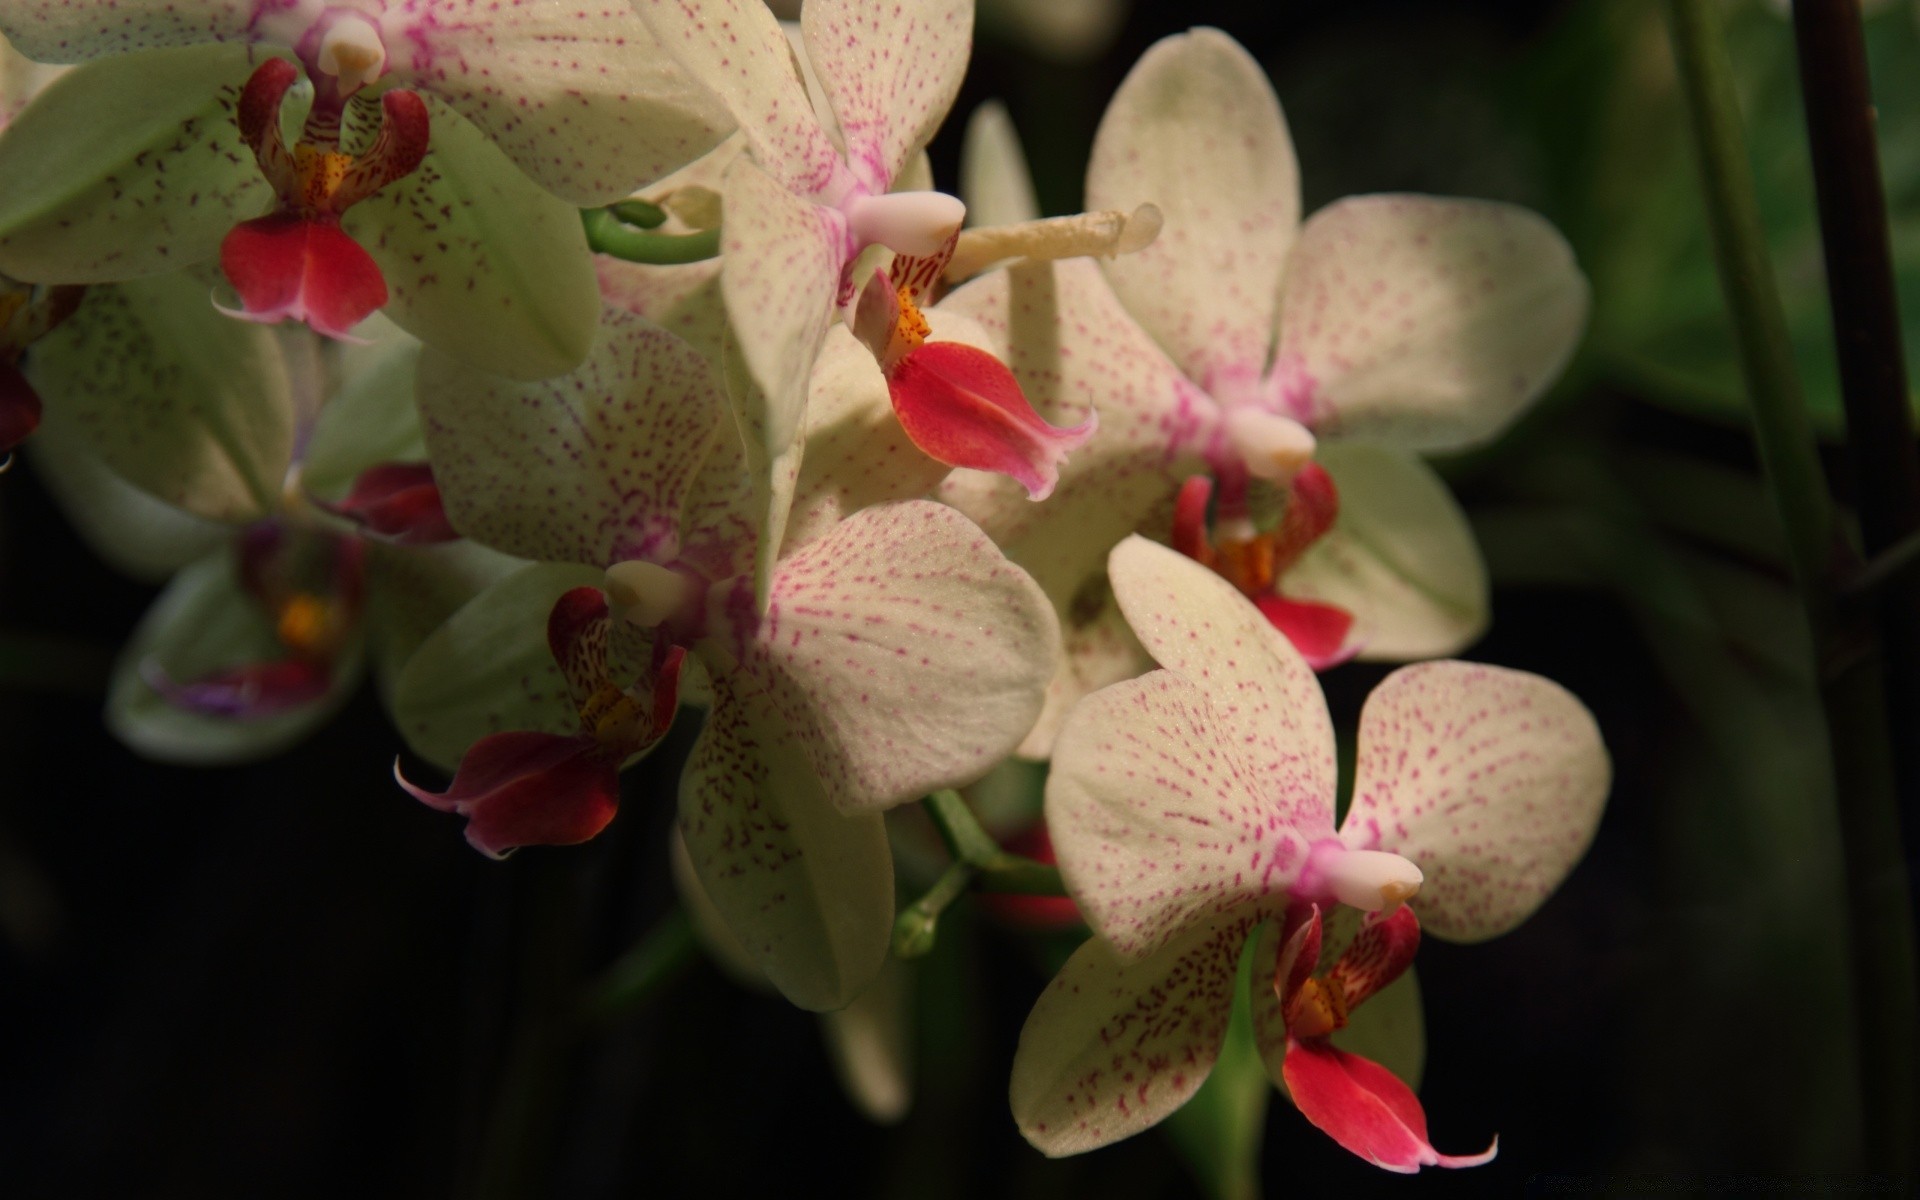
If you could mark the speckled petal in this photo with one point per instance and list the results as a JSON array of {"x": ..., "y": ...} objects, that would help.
[
  {"x": 1424, "y": 322},
  {"x": 158, "y": 181},
  {"x": 590, "y": 467},
  {"x": 1401, "y": 558},
  {"x": 20, "y": 80},
  {"x": 905, "y": 653},
  {"x": 188, "y": 404},
  {"x": 481, "y": 263},
  {"x": 1265, "y": 700},
  {"x": 808, "y": 892},
  {"x": 683, "y": 299},
  {"x": 1113, "y": 1046},
  {"x": 1097, "y": 650},
  {"x": 488, "y": 668},
  {"x": 575, "y": 92},
  {"x": 1195, "y": 129},
  {"x": 891, "y": 71},
  {"x": 735, "y": 48},
  {"x": 1490, "y": 780},
  {"x": 202, "y": 623},
  {"x": 71, "y": 31},
  {"x": 994, "y": 180}
]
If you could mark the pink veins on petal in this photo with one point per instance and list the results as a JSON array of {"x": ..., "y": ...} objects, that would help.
[{"x": 296, "y": 261}]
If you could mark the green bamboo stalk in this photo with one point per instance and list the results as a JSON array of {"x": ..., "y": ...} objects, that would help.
[{"x": 1848, "y": 667}]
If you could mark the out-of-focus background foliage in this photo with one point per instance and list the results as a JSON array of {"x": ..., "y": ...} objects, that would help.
[{"x": 290, "y": 980}]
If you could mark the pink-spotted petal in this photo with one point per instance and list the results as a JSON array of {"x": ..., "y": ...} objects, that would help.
[
  {"x": 399, "y": 503},
  {"x": 158, "y": 181},
  {"x": 808, "y": 892},
  {"x": 904, "y": 653},
  {"x": 576, "y": 92},
  {"x": 71, "y": 31},
  {"x": 1318, "y": 631},
  {"x": 890, "y": 71},
  {"x": 1424, "y": 322},
  {"x": 1490, "y": 780},
  {"x": 963, "y": 407},
  {"x": 1097, "y": 650},
  {"x": 1195, "y": 129},
  {"x": 287, "y": 267},
  {"x": 590, "y": 467},
  {"x": 683, "y": 299},
  {"x": 1159, "y": 823},
  {"x": 1364, "y": 1107},
  {"x": 736, "y": 49},
  {"x": 528, "y": 789},
  {"x": 577, "y": 638},
  {"x": 1114, "y": 1045},
  {"x": 1401, "y": 558},
  {"x": 1265, "y": 700}
]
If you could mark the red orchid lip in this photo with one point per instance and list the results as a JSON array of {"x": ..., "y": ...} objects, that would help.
[
  {"x": 963, "y": 407},
  {"x": 397, "y": 503}
]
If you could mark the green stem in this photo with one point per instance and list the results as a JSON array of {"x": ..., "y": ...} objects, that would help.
[
  {"x": 978, "y": 862},
  {"x": 1852, "y": 690},
  {"x": 914, "y": 928},
  {"x": 608, "y": 234},
  {"x": 638, "y": 975}
]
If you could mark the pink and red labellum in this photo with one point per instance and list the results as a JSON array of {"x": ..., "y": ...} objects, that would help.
[
  {"x": 1355, "y": 1101},
  {"x": 296, "y": 262},
  {"x": 398, "y": 503},
  {"x": 26, "y": 313}
]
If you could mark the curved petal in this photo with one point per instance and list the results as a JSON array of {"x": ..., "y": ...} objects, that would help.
[
  {"x": 1400, "y": 557},
  {"x": 1112, "y": 1046},
  {"x": 870, "y": 1044},
  {"x": 21, "y": 79},
  {"x": 808, "y": 892},
  {"x": 71, "y": 31},
  {"x": 736, "y": 48},
  {"x": 1195, "y": 129},
  {"x": 370, "y": 418},
  {"x": 160, "y": 178},
  {"x": 962, "y": 406},
  {"x": 488, "y": 668},
  {"x": 1424, "y": 322},
  {"x": 480, "y": 261},
  {"x": 709, "y": 927},
  {"x": 579, "y": 97},
  {"x": 890, "y": 71},
  {"x": 1158, "y": 821},
  {"x": 288, "y": 267},
  {"x": 1265, "y": 699},
  {"x": 528, "y": 789},
  {"x": 205, "y": 622},
  {"x": 591, "y": 467},
  {"x": 191, "y": 406},
  {"x": 905, "y": 654},
  {"x": 994, "y": 180},
  {"x": 1365, "y": 1108},
  {"x": 683, "y": 299},
  {"x": 1098, "y": 650},
  {"x": 413, "y": 590},
  {"x": 1490, "y": 780}
]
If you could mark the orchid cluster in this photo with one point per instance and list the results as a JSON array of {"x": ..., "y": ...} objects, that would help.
[{"x": 299, "y": 311}]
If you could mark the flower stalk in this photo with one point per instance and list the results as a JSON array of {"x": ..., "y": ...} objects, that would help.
[
  {"x": 1848, "y": 668},
  {"x": 978, "y": 862},
  {"x": 613, "y": 231}
]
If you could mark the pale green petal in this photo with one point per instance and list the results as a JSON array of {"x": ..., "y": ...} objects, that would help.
[
  {"x": 1401, "y": 558},
  {"x": 370, "y": 418},
  {"x": 413, "y": 590},
  {"x": 188, "y": 404},
  {"x": 204, "y": 622},
  {"x": 480, "y": 262},
  {"x": 69, "y": 31},
  {"x": 128, "y": 167},
  {"x": 488, "y": 668},
  {"x": 994, "y": 180}
]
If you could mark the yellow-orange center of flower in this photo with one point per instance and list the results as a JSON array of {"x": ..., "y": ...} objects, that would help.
[
  {"x": 911, "y": 330},
  {"x": 308, "y": 624},
  {"x": 1318, "y": 1009},
  {"x": 1248, "y": 563},
  {"x": 612, "y": 716},
  {"x": 321, "y": 172}
]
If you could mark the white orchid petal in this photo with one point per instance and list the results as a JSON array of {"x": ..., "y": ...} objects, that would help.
[
  {"x": 1265, "y": 699},
  {"x": 1423, "y": 322},
  {"x": 71, "y": 31},
  {"x": 1158, "y": 820},
  {"x": 1098, "y": 650},
  {"x": 735, "y": 48},
  {"x": 1401, "y": 558},
  {"x": 994, "y": 180},
  {"x": 905, "y": 653},
  {"x": 870, "y": 1044},
  {"x": 190, "y": 405},
  {"x": 1195, "y": 130},
  {"x": 891, "y": 72},
  {"x": 580, "y": 98},
  {"x": 21, "y": 79},
  {"x": 683, "y": 299},
  {"x": 488, "y": 668},
  {"x": 709, "y": 927},
  {"x": 481, "y": 262},
  {"x": 1491, "y": 780},
  {"x": 158, "y": 180},
  {"x": 1112, "y": 1046},
  {"x": 591, "y": 467},
  {"x": 808, "y": 892}
]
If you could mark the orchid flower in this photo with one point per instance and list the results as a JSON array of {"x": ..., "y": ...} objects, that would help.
[
  {"x": 1191, "y": 805},
  {"x": 441, "y": 148},
  {"x": 1247, "y": 347},
  {"x": 896, "y": 653},
  {"x": 188, "y": 448},
  {"x": 804, "y": 206}
]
